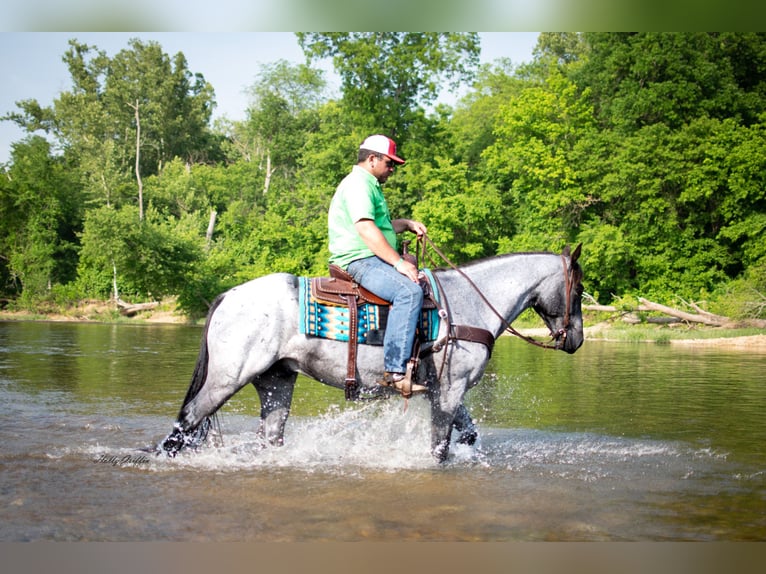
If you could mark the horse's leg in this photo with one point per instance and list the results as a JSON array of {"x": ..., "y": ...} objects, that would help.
[
  {"x": 275, "y": 390},
  {"x": 446, "y": 401},
  {"x": 441, "y": 432},
  {"x": 443, "y": 420},
  {"x": 463, "y": 423},
  {"x": 217, "y": 376},
  {"x": 244, "y": 334},
  {"x": 194, "y": 419},
  {"x": 467, "y": 363}
]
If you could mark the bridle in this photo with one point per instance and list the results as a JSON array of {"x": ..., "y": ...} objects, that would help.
[{"x": 557, "y": 339}]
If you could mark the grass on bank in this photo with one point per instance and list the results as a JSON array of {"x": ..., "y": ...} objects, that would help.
[
  {"x": 645, "y": 332},
  {"x": 607, "y": 327}
]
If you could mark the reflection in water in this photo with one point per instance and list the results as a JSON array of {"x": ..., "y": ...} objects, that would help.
[{"x": 617, "y": 442}]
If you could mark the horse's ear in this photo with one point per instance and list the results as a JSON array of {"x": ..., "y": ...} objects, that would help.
[
  {"x": 576, "y": 255},
  {"x": 565, "y": 251}
]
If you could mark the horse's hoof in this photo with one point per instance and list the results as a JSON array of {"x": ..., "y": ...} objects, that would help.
[
  {"x": 468, "y": 438},
  {"x": 155, "y": 450}
]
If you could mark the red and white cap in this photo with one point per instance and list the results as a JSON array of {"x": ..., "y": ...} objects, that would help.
[{"x": 382, "y": 144}]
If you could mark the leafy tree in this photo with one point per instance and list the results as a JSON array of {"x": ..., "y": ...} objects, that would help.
[
  {"x": 648, "y": 148},
  {"x": 472, "y": 125},
  {"x": 639, "y": 79},
  {"x": 329, "y": 152},
  {"x": 564, "y": 47},
  {"x": 464, "y": 219},
  {"x": 286, "y": 98},
  {"x": 95, "y": 122},
  {"x": 386, "y": 76},
  {"x": 537, "y": 135},
  {"x": 39, "y": 216},
  {"x": 175, "y": 106},
  {"x": 151, "y": 259}
]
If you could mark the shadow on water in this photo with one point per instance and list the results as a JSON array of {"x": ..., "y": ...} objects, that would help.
[{"x": 618, "y": 442}]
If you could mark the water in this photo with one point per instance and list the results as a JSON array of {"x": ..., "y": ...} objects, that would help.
[{"x": 617, "y": 442}]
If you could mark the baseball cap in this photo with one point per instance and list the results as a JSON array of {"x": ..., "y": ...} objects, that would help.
[{"x": 382, "y": 144}]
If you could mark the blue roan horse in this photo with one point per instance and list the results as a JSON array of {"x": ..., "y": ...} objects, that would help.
[{"x": 252, "y": 336}]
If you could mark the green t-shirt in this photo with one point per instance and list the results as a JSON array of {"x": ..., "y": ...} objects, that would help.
[{"x": 359, "y": 196}]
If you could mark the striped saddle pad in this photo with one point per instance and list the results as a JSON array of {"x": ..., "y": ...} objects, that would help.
[{"x": 331, "y": 320}]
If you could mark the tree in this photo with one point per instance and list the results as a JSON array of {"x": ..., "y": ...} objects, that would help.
[
  {"x": 386, "y": 76},
  {"x": 285, "y": 100},
  {"x": 537, "y": 135},
  {"x": 465, "y": 219},
  {"x": 95, "y": 121},
  {"x": 151, "y": 259},
  {"x": 175, "y": 105},
  {"x": 639, "y": 79},
  {"x": 472, "y": 125},
  {"x": 564, "y": 47},
  {"x": 39, "y": 217}
]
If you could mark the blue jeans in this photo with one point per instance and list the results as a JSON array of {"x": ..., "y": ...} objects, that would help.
[{"x": 406, "y": 299}]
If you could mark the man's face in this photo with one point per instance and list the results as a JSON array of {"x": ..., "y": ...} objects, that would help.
[{"x": 381, "y": 167}]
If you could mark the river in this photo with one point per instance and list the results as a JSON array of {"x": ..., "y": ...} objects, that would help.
[{"x": 621, "y": 441}]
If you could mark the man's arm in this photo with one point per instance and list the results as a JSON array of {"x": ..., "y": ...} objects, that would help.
[{"x": 374, "y": 239}]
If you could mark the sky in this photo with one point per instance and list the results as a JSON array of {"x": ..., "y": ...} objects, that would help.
[{"x": 32, "y": 68}]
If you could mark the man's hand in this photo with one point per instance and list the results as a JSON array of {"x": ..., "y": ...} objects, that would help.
[
  {"x": 406, "y": 268},
  {"x": 416, "y": 227}
]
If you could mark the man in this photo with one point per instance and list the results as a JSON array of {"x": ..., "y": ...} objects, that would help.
[{"x": 363, "y": 242}]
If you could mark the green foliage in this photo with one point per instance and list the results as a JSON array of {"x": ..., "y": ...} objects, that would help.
[
  {"x": 647, "y": 148},
  {"x": 532, "y": 162},
  {"x": 147, "y": 259},
  {"x": 471, "y": 128},
  {"x": 609, "y": 251},
  {"x": 640, "y": 79},
  {"x": 95, "y": 121},
  {"x": 464, "y": 218},
  {"x": 745, "y": 297},
  {"x": 39, "y": 217},
  {"x": 387, "y": 75}
]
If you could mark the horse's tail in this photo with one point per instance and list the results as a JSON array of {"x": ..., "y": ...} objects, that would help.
[
  {"x": 200, "y": 369},
  {"x": 181, "y": 438}
]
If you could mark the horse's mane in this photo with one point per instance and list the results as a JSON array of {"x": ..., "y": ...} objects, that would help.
[{"x": 482, "y": 260}]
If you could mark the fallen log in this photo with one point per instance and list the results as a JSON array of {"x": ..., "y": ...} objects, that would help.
[
  {"x": 675, "y": 315},
  {"x": 129, "y": 310},
  {"x": 612, "y": 308},
  {"x": 704, "y": 318},
  {"x": 634, "y": 319}
]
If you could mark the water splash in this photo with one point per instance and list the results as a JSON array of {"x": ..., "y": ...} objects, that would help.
[
  {"x": 390, "y": 436},
  {"x": 382, "y": 435}
]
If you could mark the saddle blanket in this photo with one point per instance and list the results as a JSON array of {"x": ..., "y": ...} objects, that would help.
[{"x": 329, "y": 321}]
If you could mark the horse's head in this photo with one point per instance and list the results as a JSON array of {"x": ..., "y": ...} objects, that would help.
[{"x": 560, "y": 303}]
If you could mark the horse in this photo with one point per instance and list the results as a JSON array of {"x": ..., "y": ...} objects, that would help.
[{"x": 251, "y": 336}]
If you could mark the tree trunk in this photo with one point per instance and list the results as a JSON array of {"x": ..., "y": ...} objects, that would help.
[
  {"x": 128, "y": 310},
  {"x": 704, "y": 318},
  {"x": 675, "y": 315},
  {"x": 269, "y": 173},
  {"x": 138, "y": 164},
  {"x": 114, "y": 282},
  {"x": 210, "y": 227}
]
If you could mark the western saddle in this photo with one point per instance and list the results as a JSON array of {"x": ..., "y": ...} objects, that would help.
[{"x": 341, "y": 289}]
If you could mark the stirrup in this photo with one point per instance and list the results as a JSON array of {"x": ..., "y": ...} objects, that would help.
[{"x": 404, "y": 385}]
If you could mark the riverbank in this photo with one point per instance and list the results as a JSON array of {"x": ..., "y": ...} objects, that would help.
[
  {"x": 102, "y": 312},
  {"x": 747, "y": 339}
]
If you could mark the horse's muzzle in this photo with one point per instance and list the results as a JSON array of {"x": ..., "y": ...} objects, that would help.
[{"x": 562, "y": 341}]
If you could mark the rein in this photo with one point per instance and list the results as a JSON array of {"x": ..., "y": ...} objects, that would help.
[{"x": 568, "y": 281}]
